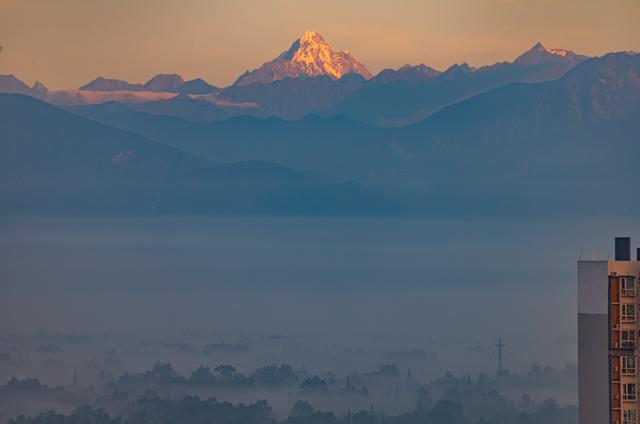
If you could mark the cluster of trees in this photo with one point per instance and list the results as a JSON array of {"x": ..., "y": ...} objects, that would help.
[
  {"x": 161, "y": 395},
  {"x": 537, "y": 376},
  {"x": 223, "y": 375},
  {"x": 227, "y": 376},
  {"x": 193, "y": 410}
]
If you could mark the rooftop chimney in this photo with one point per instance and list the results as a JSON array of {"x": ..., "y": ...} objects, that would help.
[{"x": 623, "y": 248}]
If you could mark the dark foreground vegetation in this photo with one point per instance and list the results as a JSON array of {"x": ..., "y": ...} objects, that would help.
[
  {"x": 160, "y": 395},
  {"x": 470, "y": 406}
]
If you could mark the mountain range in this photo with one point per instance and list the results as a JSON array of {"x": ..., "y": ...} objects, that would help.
[
  {"x": 54, "y": 161},
  {"x": 11, "y": 84},
  {"x": 543, "y": 133},
  {"x": 313, "y": 78},
  {"x": 167, "y": 83}
]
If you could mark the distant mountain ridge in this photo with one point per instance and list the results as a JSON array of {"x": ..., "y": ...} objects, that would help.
[
  {"x": 161, "y": 83},
  {"x": 193, "y": 109},
  {"x": 164, "y": 82},
  {"x": 110, "y": 84},
  {"x": 11, "y": 84},
  {"x": 413, "y": 73},
  {"x": 309, "y": 56},
  {"x": 504, "y": 148},
  {"x": 293, "y": 98},
  {"x": 393, "y": 97},
  {"x": 599, "y": 94},
  {"x": 54, "y": 161},
  {"x": 397, "y": 98},
  {"x": 564, "y": 129},
  {"x": 196, "y": 86},
  {"x": 539, "y": 53},
  {"x": 312, "y": 78}
]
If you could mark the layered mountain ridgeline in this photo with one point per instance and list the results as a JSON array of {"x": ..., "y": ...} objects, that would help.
[
  {"x": 559, "y": 142},
  {"x": 56, "y": 161},
  {"x": 510, "y": 129},
  {"x": 405, "y": 96},
  {"x": 100, "y": 90},
  {"x": 198, "y": 109},
  {"x": 110, "y": 84},
  {"x": 11, "y": 84},
  {"x": 417, "y": 73},
  {"x": 162, "y": 83},
  {"x": 293, "y": 98},
  {"x": 393, "y": 97},
  {"x": 598, "y": 101},
  {"x": 515, "y": 145},
  {"x": 312, "y": 77},
  {"x": 337, "y": 145}
]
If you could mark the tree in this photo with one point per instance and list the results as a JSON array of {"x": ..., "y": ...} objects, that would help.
[{"x": 447, "y": 412}]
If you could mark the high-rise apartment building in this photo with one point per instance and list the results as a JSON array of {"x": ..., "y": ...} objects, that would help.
[{"x": 608, "y": 336}]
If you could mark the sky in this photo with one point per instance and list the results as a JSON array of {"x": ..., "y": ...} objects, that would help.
[{"x": 67, "y": 43}]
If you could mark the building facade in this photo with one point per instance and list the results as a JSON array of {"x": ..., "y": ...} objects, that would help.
[{"x": 608, "y": 336}]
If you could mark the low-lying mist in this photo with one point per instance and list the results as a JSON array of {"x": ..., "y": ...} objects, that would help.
[{"x": 89, "y": 300}]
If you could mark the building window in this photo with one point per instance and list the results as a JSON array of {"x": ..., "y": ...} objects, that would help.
[
  {"x": 627, "y": 286},
  {"x": 628, "y": 365},
  {"x": 628, "y": 313},
  {"x": 628, "y": 338},
  {"x": 629, "y": 391},
  {"x": 629, "y": 416}
]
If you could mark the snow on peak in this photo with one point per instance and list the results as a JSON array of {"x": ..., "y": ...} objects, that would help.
[
  {"x": 556, "y": 52},
  {"x": 311, "y": 36},
  {"x": 308, "y": 56},
  {"x": 539, "y": 54}
]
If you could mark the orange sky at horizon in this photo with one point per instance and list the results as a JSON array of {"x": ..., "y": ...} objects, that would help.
[{"x": 66, "y": 43}]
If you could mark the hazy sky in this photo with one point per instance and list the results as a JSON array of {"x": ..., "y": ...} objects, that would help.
[{"x": 66, "y": 43}]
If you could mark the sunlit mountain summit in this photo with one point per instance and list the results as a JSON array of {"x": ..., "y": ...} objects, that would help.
[
  {"x": 539, "y": 54},
  {"x": 310, "y": 56}
]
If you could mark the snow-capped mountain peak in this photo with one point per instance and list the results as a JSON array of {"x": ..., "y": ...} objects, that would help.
[
  {"x": 540, "y": 54},
  {"x": 557, "y": 52},
  {"x": 308, "y": 56}
]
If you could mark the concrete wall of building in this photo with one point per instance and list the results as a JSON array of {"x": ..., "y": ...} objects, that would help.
[
  {"x": 593, "y": 287},
  {"x": 593, "y": 342},
  {"x": 593, "y": 369},
  {"x": 630, "y": 268}
]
